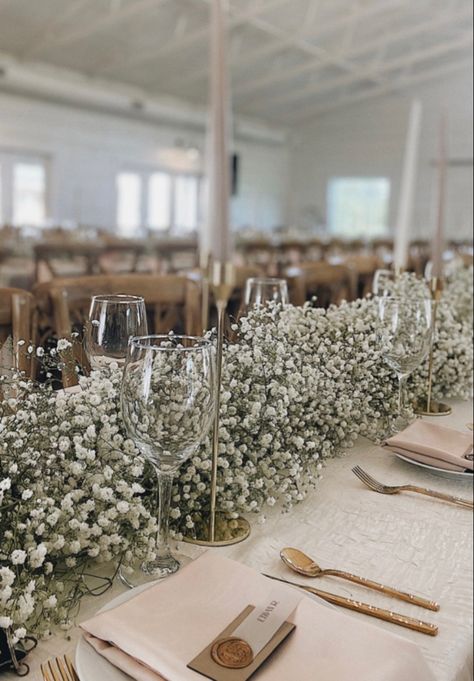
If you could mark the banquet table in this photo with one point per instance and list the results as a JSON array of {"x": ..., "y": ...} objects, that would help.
[{"x": 415, "y": 543}]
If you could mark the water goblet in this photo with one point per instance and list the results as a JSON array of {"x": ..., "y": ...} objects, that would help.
[
  {"x": 168, "y": 405},
  {"x": 113, "y": 320},
  {"x": 263, "y": 290},
  {"x": 404, "y": 334}
]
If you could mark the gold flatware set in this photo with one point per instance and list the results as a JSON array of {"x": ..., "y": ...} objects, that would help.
[
  {"x": 302, "y": 564},
  {"x": 59, "y": 669}
]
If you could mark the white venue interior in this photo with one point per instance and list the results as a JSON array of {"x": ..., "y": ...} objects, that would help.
[{"x": 236, "y": 319}]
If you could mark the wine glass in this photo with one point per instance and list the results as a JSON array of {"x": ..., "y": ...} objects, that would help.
[
  {"x": 113, "y": 319},
  {"x": 404, "y": 334},
  {"x": 263, "y": 290},
  {"x": 168, "y": 404},
  {"x": 381, "y": 284}
]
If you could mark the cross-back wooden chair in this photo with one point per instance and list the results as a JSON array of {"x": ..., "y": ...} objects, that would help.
[
  {"x": 259, "y": 253},
  {"x": 172, "y": 302},
  {"x": 56, "y": 259},
  {"x": 16, "y": 309},
  {"x": 329, "y": 283}
]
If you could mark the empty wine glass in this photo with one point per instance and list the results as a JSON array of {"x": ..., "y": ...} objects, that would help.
[
  {"x": 113, "y": 319},
  {"x": 168, "y": 405},
  {"x": 404, "y": 334},
  {"x": 382, "y": 282},
  {"x": 263, "y": 290}
]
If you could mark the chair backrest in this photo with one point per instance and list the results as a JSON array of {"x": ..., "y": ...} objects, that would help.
[
  {"x": 172, "y": 302},
  {"x": 55, "y": 259},
  {"x": 16, "y": 309},
  {"x": 329, "y": 283}
]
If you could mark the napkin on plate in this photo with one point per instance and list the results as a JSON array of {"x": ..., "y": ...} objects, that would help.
[
  {"x": 434, "y": 445},
  {"x": 153, "y": 636}
]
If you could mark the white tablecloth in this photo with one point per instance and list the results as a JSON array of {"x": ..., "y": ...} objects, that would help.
[{"x": 418, "y": 544}]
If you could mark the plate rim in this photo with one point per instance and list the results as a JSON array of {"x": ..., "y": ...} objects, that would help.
[
  {"x": 82, "y": 643},
  {"x": 464, "y": 475}
]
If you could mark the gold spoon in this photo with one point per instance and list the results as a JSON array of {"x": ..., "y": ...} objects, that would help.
[{"x": 302, "y": 564}]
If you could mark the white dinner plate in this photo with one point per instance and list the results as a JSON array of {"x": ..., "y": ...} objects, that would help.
[
  {"x": 90, "y": 665},
  {"x": 437, "y": 471}
]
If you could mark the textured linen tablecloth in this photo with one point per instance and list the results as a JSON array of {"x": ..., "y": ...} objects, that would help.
[{"x": 418, "y": 544}]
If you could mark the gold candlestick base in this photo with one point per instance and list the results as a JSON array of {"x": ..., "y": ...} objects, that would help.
[
  {"x": 226, "y": 533},
  {"x": 433, "y": 409},
  {"x": 218, "y": 530}
]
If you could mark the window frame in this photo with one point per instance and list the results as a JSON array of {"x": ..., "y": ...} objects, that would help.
[
  {"x": 9, "y": 158},
  {"x": 145, "y": 173},
  {"x": 361, "y": 178}
]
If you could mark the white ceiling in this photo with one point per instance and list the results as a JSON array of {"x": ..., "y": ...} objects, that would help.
[{"x": 290, "y": 59}]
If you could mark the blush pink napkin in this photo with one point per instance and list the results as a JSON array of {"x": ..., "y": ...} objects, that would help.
[
  {"x": 153, "y": 636},
  {"x": 434, "y": 445}
]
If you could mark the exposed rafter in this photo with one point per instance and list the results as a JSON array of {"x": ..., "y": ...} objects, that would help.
[
  {"x": 314, "y": 66},
  {"x": 304, "y": 114},
  {"x": 108, "y": 21},
  {"x": 406, "y": 60},
  {"x": 193, "y": 37}
]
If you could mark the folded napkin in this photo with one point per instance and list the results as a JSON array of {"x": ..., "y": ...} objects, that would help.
[
  {"x": 434, "y": 445},
  {"x": 153, "y": 636}
]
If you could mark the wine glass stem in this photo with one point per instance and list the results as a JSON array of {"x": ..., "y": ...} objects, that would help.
[
  {"x": 402, "y": 379},
  {"x": 165, "y": 485}
]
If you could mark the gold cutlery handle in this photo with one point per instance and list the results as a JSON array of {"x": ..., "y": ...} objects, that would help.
[
  {"x": 401, "y": 595},
  {"x": 366, "y": 609},
  {"x": 439, "y": 495},
  {"x": 379, "y": 613}
]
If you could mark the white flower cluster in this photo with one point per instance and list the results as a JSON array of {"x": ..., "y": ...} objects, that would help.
[
  {"x": 70, "y": 494},
  {"x": 299, "y": 386}
]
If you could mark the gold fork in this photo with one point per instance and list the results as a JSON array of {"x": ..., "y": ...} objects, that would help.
[
  {"x": 395, "y": 489},
  {"x": 59, "y": 670}
]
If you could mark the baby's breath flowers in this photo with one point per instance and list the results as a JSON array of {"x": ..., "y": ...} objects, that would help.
[{"x": 298, "y": 388}]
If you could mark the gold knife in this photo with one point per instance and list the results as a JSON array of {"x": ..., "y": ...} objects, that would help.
[{"x": 366, "y": 609}]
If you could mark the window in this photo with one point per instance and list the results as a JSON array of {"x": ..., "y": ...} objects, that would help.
[
  {"x": 358, "y": 206},
  {"x": 161, "y": 201},
  {"x": 29, "y": 194},
  {"x": 129, "y": 190},
  {"x": 186, "y": 203},
  {"x": 23, "y": 189}
]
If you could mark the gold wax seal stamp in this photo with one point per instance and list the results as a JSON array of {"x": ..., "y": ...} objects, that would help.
[{"x": 233, "y": 653}]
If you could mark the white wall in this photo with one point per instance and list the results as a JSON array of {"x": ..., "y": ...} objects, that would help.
[
  {"x": 367, "y": 139},
  {"x": 86, "y": 150}
]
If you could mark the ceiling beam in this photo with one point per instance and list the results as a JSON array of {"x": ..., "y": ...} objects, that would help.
[
  {"x": 406, "y": 60},
  {"x": 278, "y": 44},
  {"x": 383, "y": 42},
  {"x": 107, "y": 21},
  {"x": 392, "y": 87},
  {"x": 193, "y": 37}
]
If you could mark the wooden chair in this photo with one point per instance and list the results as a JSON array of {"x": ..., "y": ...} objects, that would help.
[
  {"x": 364, "y": 268},
  {"x": 55, "y": 259},
  {"x": 174, "y": 255},
  {"x": 329, "y": 283},
  {"x": 173, "y": 302},
  {"x": 16, "y": 309},
  {"x": 259, "y": 253}
]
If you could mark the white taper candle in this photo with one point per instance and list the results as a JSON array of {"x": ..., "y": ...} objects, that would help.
[
  {"x": 407, "y": 188},
  {"x": 437, "y": 245},
  {"x": 216, "y": 237}
]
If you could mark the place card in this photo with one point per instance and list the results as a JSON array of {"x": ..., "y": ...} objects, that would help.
[{"x": 238, "y": 651}]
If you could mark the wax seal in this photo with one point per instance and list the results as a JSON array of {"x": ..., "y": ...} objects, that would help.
[{"x": 233, "y": 653}]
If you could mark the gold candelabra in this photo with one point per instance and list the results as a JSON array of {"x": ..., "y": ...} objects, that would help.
[
  {"x": 431, "y": 407},
  {"x": 219, "y": 530}
]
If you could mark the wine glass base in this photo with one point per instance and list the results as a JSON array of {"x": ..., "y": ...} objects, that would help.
[{"x": 152, "y": 571}]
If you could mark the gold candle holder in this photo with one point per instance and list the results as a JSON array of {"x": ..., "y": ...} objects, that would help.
[
  {"x": 220, "y": 531},
  {"x": 430, "y": 407}
]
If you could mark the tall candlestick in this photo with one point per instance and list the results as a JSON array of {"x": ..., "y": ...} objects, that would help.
[
  {"x": 216, "y": 238},
  {"x": 437, "y": 245},
  {"x": 407, "y": 188}
]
